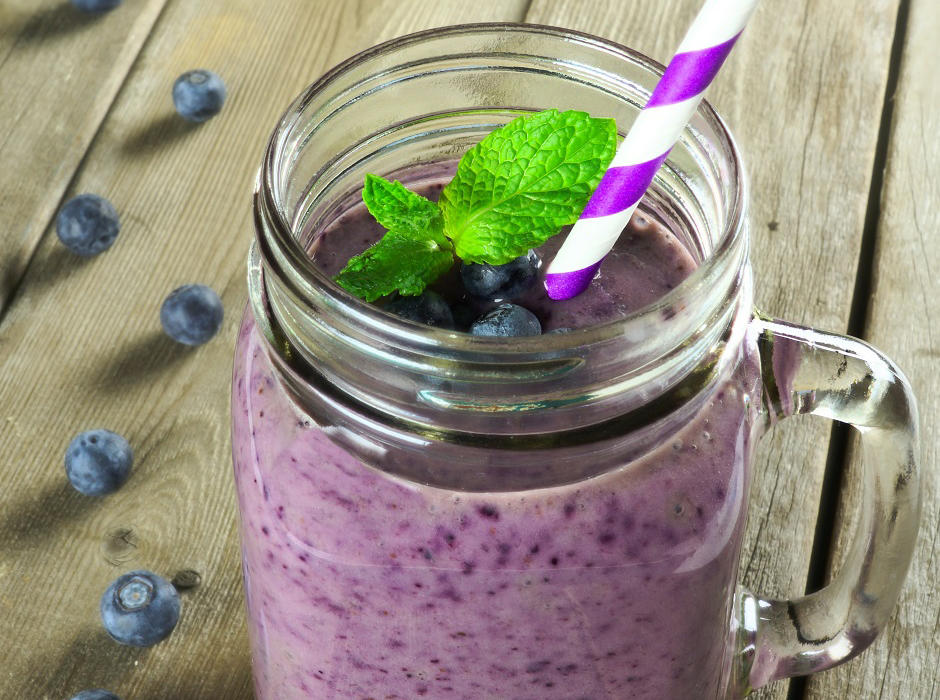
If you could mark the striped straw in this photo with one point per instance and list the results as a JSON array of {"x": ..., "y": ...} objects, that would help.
[{"x": 656, "y": 130}]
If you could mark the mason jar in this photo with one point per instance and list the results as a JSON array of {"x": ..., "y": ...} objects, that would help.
[{"x": 427, "y": 513}]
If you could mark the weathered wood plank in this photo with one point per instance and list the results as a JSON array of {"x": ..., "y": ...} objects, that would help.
[
  {"x": 802, "y": 93},
  {"x": 904, "y": 307},
  {"x": 60, "y": 70},
  {"x": 81, "y": 347}
]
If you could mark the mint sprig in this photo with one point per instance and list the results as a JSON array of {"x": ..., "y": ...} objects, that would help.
[
  {"x": 512, "y": 191},
  {"x": 522, "y": 183},
  {"x": 396, "y": 263},
  {"x": 399, "y": 209},
  {"x": 412, "y": 254}
]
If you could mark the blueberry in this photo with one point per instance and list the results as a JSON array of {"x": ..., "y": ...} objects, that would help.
[
  {"x": 96, "y": 5},
  {"x": 140, "y": 609},
  {"x": 507, "y": 320},
  {"x": 192, "y": 314},
  {"x": 98, "y": 462},
  {"x": 429, "y": 308},
  {"x": 198, "y": 95},
  {"x": 559, "y": 330},
  {"x": 96, "y": 695},
  {"x": 87, "y": 224},
  {"x": 501, "y": 282}
]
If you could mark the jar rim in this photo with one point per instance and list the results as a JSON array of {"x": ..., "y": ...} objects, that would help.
[{"x": 308, "y": 281}]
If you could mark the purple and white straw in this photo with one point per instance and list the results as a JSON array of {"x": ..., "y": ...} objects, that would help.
[{"x": 657, "y": 128}]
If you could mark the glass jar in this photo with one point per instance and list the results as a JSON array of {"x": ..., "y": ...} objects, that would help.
[{"x": 425, "y": 513}]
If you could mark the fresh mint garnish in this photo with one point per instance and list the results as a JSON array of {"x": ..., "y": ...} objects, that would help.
[
  {"x": 522, "y": 183},
  {"x": 512, "y": 191},
  {"x": 399, "y": 209},
  {"x": 410, "y": 256},
  {"x": 397, "y": 262}
]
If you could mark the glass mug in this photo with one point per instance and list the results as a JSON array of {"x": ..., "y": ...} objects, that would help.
[{"x": 424, "y": 513}]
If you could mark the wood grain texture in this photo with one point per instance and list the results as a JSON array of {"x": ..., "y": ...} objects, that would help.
[
  {"x": 802, "y": 93},
  {"x": 904, "y": 322},
  {"x": 60, "y": 70},
  {"x": 81, "y": 347}
]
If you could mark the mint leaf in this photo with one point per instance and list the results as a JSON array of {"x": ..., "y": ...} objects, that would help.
[
  {"x": 401, "y": 261},
  {"x": 411, "y": 255},
  {"x": 397, "y": 208},
  {"x": 523, "y": 182}
]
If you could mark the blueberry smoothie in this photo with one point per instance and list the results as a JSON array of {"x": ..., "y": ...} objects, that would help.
[{"x": 363, "y": 585}]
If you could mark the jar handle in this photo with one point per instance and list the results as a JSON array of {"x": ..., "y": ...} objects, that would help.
[{"x": 843, "y": 379}]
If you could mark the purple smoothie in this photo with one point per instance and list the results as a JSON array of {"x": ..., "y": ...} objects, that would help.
[{"x": 362, "y": 585}]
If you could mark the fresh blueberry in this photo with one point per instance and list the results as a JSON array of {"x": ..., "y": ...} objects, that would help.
[
  {"x": 198, "y": 95},
  {"x": 501, "y": 282},
  {"x": 96, "y": 695},
  {"x": 507, "y": 320},
  {"x": 87, "y": 224},
  {"x": 429, "y": 308},
  {"x": 98, "y": 462},
  {"x": 140, "y": 609},
  {"x": 96, "y": 5},
  {"x": 559, "y": 330},
  {"x": 192, "y": 314}
]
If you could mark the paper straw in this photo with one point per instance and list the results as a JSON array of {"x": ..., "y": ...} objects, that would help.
[{"x": 657, "y": 128}]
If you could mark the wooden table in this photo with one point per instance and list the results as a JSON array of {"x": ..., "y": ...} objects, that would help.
[{"x": 836, "y": 106}]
